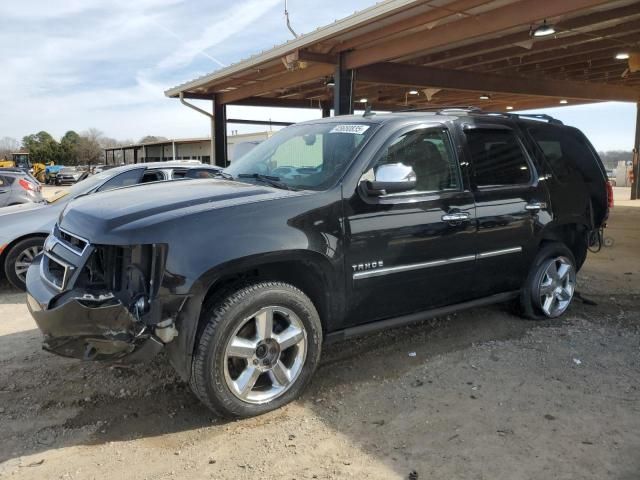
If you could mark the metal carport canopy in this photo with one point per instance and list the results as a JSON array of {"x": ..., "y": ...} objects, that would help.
[{"x": 451, "y": 52}]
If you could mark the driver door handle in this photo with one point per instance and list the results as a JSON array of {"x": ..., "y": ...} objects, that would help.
[{"x": 455, "y": 217}]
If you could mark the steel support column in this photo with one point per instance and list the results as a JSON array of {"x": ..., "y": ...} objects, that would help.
[
  {"x": 173, "y": 150},
  {"x": 135, "y": 155},
  {"x": 342, "y": 90},
  {"x": 326, "y": 110},
  {"x": 220, "y": 132},
  {"x": 635, "y": 185}
]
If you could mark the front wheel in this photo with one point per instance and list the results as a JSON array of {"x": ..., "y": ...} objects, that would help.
[
  {"x": 19, "y": 259},
  {"x": 257, "y": 351},
  {"x": 551, "y": 283}
]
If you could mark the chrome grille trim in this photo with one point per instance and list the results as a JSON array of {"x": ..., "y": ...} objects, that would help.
[
  {"x": 69, "y": 246},
  {"x": 65, "y": 277}
]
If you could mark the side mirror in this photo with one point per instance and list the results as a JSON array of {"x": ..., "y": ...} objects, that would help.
[{"x": 390, "y": 178}]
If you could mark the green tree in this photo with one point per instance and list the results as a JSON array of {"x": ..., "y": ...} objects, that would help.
[
  {"x": 69, "y": 145},
  {"x": 42, "y": 147}
]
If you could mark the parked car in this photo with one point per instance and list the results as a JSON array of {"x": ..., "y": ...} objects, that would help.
[
  {"x": 50, "y": 173},
  {"x": 18, "y": 187},
  {"x": 69, "y": 175},
  {"x": 388, "y": 219},
  {"x": 24, "y": 227}
]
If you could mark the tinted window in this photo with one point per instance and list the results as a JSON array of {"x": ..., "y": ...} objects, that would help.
[
  {"x": 498, "y": 158},
  {"x": 564, "y": 150},
  {"x": 3, "y": 182},
  {"x": 428, "y": 152},
  {"x": 152, "y": 176},
  {"x": 130, "y": 177}
]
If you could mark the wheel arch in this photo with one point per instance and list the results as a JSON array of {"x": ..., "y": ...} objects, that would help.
[
  {"x": 571, "y": 234},
  {"x": 311, "y": 272}
]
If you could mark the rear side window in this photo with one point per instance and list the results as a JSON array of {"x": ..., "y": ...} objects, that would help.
[
  {"x": 564, "y": 150},
  {"x": 127, "y": 178},
  {"x": 498, "y": 158},
  {"x": 152, "y": 176}
]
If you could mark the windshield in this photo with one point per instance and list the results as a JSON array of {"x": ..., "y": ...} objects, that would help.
[
  {"x": 83, "y": 186},
  {"x": 309, "y": 156}
]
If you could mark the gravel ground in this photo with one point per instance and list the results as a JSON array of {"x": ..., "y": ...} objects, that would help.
[{"x": 477, "y": 395}]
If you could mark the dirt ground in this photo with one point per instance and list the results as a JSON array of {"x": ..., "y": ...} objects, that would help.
[{"x": 478, "y": 395}]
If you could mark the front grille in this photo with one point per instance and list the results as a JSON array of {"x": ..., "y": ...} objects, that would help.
[
  {"x": 64, "y": 255},
  {"x": 70, "y": 240},
  {"x": 55, "y": 271}
]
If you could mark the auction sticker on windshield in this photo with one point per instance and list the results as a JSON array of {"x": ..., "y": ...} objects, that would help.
[{"x": 356, "y": 129}]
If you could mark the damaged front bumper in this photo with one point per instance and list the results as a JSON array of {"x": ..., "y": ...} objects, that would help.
[{"x": 87, "y": 326}]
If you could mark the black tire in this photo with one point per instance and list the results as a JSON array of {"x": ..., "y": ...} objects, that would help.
[
  {"x": 528, "y": 306},
  {"x": 222, "y": 318},
  {"x": 14, "y": 254}
]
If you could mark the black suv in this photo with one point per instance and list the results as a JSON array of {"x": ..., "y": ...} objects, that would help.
[{"x": 330, "y": 228}]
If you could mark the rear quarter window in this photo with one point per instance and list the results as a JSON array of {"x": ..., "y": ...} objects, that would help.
[{"x": 568, "y": 153}]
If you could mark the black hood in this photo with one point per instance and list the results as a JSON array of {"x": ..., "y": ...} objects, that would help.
[{"x": 134, "y": 208}]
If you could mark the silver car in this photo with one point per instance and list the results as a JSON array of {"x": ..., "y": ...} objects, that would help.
[
  {"x": 25, "y": 227},
  {"x": 69, "y": 175},
  {"x": 18, "y": 187}
]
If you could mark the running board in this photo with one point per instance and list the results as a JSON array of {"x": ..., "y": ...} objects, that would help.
[{"x": 395, "y": 322}]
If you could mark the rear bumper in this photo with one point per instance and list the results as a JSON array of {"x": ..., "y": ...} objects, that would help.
[{"x": 79, "y": 325}]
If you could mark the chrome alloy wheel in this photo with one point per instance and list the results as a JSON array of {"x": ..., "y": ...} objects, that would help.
[
  {"x": 265, "y": 355},
  {"x": 557, "y": 285},
  {"x": 23, "y": 261}
]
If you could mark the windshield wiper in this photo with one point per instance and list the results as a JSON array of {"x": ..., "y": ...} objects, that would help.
[{"x": 270, "y": 180}]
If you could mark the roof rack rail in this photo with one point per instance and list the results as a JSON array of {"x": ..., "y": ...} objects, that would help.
[
  {"x": 537, "y": 116},
  {"x": 439, "y": 109},
  {"x": 475, "y": 110}
]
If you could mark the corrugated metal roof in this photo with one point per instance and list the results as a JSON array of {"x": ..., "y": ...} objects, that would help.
[{"x": 323, "y": 33}]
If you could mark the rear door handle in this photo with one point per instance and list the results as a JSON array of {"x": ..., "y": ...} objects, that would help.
[
  {"x": 455, "y": 217},
  {"x": 534, "y": 206}
]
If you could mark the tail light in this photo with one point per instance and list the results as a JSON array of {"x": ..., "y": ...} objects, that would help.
[
  {"x": 609, "y": 195},
  {"x": 28, "y": 185}
]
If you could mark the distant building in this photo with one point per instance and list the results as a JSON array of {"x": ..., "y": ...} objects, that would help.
[{"x": 181, "y": 149}]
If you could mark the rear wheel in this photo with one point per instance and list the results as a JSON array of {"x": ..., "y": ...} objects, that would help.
[
  {"x": 257, "y": 351},
  {"x": 19, "y": 259},
  {"x": 551, "y": 283}
]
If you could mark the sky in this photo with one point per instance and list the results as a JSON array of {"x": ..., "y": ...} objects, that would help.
[{"x": 77, "y": 64}]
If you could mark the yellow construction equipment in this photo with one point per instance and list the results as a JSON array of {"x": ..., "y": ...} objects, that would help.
[{"x": 21, "y": 160}]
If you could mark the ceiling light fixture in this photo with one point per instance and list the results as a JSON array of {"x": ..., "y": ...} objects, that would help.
[
  {"x": 413, "y": 92},
  {"x": 363, "y": 100},
  {"x": 484, "y": 96},
  {"x": 622, "y": 56},
  {"x": 543, "y": 30},
  {"x": 563, "y": 101},
  {"x": 509, "y": 107}
]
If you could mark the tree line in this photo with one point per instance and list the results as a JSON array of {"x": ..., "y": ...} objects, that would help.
[{"x": 85, "y": 148}]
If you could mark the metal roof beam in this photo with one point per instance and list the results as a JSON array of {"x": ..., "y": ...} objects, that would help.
[
  {"x": 524, "y": 12},
  {"x": 288, "y": 79},
  {"x": 413, "y": 75},
  {"x": 505, "y": 46}
]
